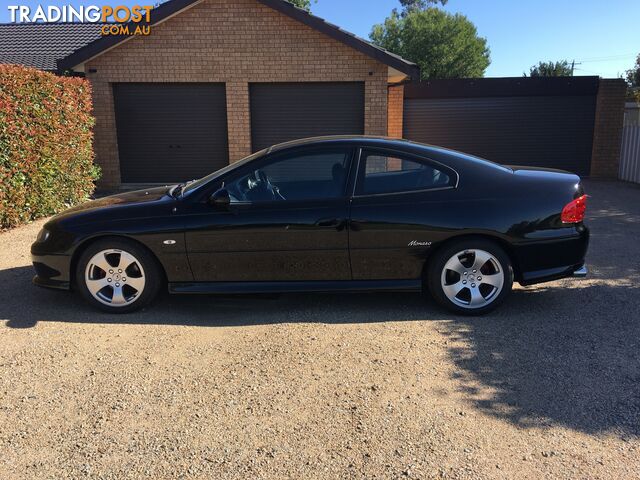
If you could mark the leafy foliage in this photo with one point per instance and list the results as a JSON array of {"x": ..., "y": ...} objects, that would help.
[
  {"x": 46, "y": 155},
  {"x": 442, "y": 44},
  {"x": 551, "y": 69},
  {"x": 410, "y": 5},
  {"x": 633, "y": 80},
  {"x": 304, "y": 4},
  {"x": 633, "y": 74}
]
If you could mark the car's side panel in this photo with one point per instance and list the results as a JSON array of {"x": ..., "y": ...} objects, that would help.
[
  {"x": 147, "y": 217},
  {"x": 163, "y": 236},
  {"x": 273, "y": 242},
  {"x": 391, "y": 236},
  {"x": 276, "y": 240}
]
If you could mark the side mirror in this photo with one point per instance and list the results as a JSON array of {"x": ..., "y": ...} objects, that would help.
[{"x": 220, "y": 199}]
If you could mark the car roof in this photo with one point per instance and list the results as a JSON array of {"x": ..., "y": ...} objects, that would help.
[
  {"x": 344, "y": 140},
  {"x": 455, "y": 158}
]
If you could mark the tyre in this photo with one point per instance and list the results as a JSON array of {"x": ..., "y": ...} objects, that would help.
[
  {"x": 118, "y": 276},
  {"x": 470, "y": 276}
]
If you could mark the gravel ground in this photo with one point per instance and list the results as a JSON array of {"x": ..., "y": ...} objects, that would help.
[{"x": 329, "y": 386}]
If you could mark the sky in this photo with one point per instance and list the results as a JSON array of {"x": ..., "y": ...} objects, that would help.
[{"x": 603, "y": 37}]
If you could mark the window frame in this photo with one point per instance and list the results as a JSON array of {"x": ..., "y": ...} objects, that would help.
[
  {"x": 349, "y": 150},
  {"x": 363, "y": 152}
]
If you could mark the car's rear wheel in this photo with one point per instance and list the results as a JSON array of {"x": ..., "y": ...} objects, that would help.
[
  {"x": 118, "y": 276},
  {"x": 470, "y": 277}
]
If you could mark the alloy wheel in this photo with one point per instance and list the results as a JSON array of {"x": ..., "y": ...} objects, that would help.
[
  {"x": 115, "y": 277},
  {"x": 472, "y": 278}
]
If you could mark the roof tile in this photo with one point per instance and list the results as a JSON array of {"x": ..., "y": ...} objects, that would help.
[{"x": 40, "y": 45}]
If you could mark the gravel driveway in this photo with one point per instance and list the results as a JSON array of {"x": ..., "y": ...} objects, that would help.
[{"x": 330, "y": 386}]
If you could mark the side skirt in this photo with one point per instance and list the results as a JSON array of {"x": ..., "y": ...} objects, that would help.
[{"x": 288, "y": 287}]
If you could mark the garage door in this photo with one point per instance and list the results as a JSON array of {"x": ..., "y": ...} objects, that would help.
[
  {"x": 553, "y": 131},
  {"x": 288, "y": 111},
  {"x": 170, "y": 132}
]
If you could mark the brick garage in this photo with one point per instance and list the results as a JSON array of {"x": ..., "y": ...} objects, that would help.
[
  {"x": 237, "y": 44},
  {"x": 235, "y": 47}
]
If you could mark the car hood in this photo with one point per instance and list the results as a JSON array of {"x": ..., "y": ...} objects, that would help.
[{"x": 112, "y": 202}]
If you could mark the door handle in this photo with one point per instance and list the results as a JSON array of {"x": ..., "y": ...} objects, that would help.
[{"x": 336, "y": 223}]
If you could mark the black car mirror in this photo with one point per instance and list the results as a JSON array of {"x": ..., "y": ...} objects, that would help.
[{"x": 220, "y": 199}]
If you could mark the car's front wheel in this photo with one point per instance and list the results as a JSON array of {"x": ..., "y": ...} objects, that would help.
[
  {"x": 118, "y": 276},
  {"x": 470, "y": 277}
]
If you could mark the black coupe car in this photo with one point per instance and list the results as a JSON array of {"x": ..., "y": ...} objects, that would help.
[{"x": 326, "y": 214}]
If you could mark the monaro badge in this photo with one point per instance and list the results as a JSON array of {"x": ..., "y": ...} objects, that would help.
[{"x": 416, "y": 243}]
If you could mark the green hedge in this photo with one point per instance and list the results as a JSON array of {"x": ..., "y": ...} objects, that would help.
[{"x": 46, "y": 155}]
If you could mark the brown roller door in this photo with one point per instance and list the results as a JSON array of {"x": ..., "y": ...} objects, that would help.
[
  {"x": 170, "y": 132},
  {"x": 545, "y": 122},
  {"x": 288, "y": 111}
]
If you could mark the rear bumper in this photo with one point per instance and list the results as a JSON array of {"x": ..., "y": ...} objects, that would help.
[
  {"x": 582, "y": 272},
  {"x": 548, "y": 275},
  {"x": 554, "y": 258}
]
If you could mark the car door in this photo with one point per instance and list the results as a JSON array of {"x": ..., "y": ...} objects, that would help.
[
  {"x": 286, "y": 221},
  {"x": 400, "y": 208}
]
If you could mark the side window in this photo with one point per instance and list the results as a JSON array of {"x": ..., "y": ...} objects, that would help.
[
  {"x": 386, "y": 173},
  {"x": 299, "y": 177}
]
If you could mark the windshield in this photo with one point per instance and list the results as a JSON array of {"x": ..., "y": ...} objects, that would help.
[{"x": 194, "y": 185}]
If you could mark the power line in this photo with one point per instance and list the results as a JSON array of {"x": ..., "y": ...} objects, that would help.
[
  {"x": 608, "y": 58},
  {"x": 588, "y": 71}
]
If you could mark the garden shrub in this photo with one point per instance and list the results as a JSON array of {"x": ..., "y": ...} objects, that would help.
[{"x": 46, "y": 154}]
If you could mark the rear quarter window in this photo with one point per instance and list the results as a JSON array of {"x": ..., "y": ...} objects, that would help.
[{"x": 383, "y": 173}]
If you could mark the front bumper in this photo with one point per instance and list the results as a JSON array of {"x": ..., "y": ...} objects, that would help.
[{"x": 52, "y": 271}]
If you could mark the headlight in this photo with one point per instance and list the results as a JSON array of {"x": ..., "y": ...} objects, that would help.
[{"x": 43, "y": 235}]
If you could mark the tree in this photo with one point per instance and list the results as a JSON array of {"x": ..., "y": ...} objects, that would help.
[
  {"x": 633, "y": 74},
  {"x": 410, "y": 5},
  {"x": 551, "y": 69},
  {"x": 633, "y": 80},
  {"x": 304, "y": 4},
  {"x": 442, "y": 44}
]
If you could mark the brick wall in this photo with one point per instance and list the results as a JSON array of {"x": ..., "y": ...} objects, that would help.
[
  {"x": 236, "y": 43},
  {"x": 607, "y": 132},
  {"x": 238, "y": 120},
  {"x": 395, "y": 106}
]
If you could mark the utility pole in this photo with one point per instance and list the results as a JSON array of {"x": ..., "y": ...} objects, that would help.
[{"x": 573, "y": 66}]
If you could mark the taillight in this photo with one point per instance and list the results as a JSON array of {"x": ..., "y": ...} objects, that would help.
[{"x": 573, "y": 212}]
